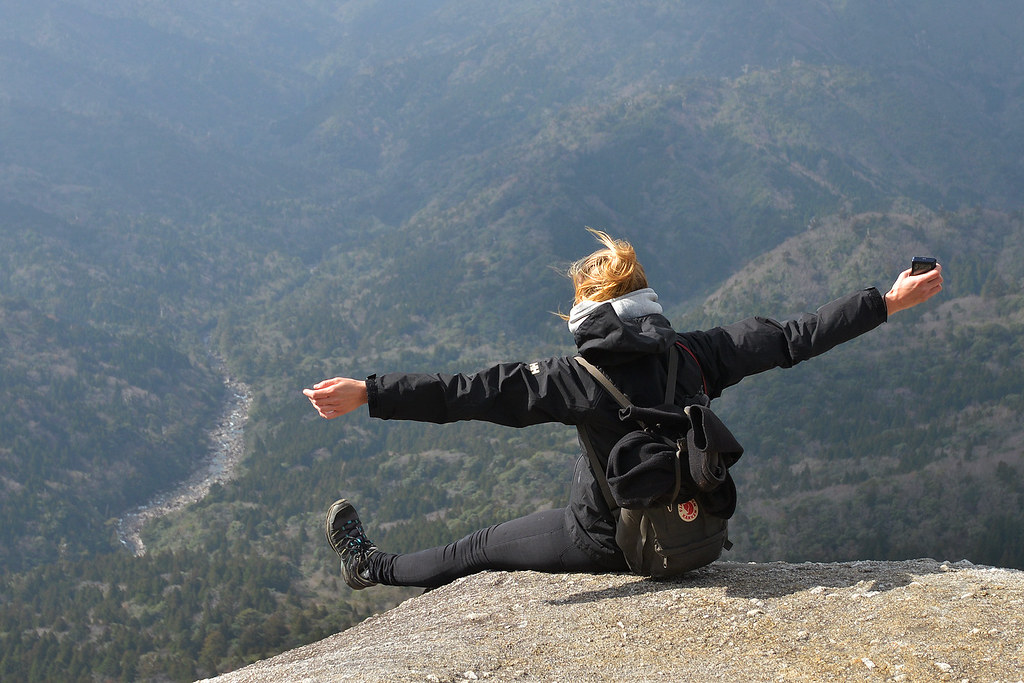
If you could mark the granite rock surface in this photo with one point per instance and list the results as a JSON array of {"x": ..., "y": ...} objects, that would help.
[{"x": 918, "y": 620}]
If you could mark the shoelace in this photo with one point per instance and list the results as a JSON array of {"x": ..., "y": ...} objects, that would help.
[{"x": 354, "y": 539}]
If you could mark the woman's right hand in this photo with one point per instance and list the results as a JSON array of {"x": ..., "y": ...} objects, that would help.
[{"x": 911, "y": 290}]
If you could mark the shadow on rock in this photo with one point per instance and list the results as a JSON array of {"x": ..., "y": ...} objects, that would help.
[{"x": 772, "y": 580}]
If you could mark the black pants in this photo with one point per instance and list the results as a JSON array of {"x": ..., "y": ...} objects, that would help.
[{"x": 538, "y": 542}]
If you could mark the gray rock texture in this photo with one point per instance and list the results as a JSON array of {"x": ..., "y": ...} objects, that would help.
[{"x": 919, "y": 620}]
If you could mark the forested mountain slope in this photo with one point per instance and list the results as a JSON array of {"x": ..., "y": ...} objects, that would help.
[
  {"x": 338, "y": 188},
  {"x": 905, "y": 442}
]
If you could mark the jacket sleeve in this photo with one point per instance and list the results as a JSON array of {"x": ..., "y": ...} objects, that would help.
[
  {"x": 511, "y": 394},
  {"x": 730, "y": 353}
]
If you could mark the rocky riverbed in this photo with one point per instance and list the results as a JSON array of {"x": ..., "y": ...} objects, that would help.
[{"x": 217, "y": 466}]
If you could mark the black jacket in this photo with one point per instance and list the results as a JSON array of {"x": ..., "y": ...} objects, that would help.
[{"x": 634, "y": 354}]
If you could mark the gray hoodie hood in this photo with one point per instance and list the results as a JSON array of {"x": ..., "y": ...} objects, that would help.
[{"x": 616, "y": 331}]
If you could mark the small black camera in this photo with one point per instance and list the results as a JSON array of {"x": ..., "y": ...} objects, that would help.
[{"x": 922, "y": 264}]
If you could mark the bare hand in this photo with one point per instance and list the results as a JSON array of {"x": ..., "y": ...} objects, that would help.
[
  {"x": 336, "y": 396},
  {"x": 911, "y": 290}
]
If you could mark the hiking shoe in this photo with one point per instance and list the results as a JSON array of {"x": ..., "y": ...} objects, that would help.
[{"x": 345, "y": 534}]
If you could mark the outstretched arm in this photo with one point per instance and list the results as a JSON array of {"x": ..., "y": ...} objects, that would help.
[
  {"x": 911, "y": 290},
  {"x": 730, "y": 353},
  {"x": 337, "y": 396}
]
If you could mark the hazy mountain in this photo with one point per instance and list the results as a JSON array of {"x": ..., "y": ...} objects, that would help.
[{"x": 314, "y": 188}]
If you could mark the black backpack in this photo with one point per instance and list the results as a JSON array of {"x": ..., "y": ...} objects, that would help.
[{"x": 667, "y": 483}]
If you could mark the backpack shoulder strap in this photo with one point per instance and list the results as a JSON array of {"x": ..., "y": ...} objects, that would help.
[
  {"x": 596, "y": 463},
  {"x": 673, "y": 368},
  {"x": 703, "y": 379},
  {"x": 621, "y": 398},
  {"x": 598, "y": 468},
  {"x": 603, "y": 380}
]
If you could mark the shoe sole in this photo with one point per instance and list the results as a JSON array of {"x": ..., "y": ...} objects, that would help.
[
  {"x": 354, "y": 581},
  {"x": 332, "y": 514}
]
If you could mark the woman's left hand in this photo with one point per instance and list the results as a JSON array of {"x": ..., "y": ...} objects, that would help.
[{"x": 336, "y": 396}]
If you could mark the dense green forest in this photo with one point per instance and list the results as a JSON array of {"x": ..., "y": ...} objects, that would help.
[{"x": 339, "y": 188}]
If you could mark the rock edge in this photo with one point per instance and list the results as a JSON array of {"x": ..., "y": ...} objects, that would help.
[{"x": 899, "y": 621}]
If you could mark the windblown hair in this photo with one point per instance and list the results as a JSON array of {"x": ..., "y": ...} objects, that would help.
[{"x": 607, "y": 273}]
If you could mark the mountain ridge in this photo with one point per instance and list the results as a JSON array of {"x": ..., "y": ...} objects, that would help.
[{"x": 318, "y": 189}]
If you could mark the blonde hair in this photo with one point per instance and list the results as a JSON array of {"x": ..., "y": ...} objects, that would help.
[{"x": 607, "y": 273}]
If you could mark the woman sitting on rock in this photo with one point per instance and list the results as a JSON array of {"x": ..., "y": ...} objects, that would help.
[{"x": 618, "y": 325}]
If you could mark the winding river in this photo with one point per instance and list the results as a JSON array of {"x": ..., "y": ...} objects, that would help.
[{"x": 217, "y": 466}]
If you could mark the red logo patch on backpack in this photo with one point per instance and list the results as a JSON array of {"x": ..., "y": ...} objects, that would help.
[{"x": 688, "y": 511}]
